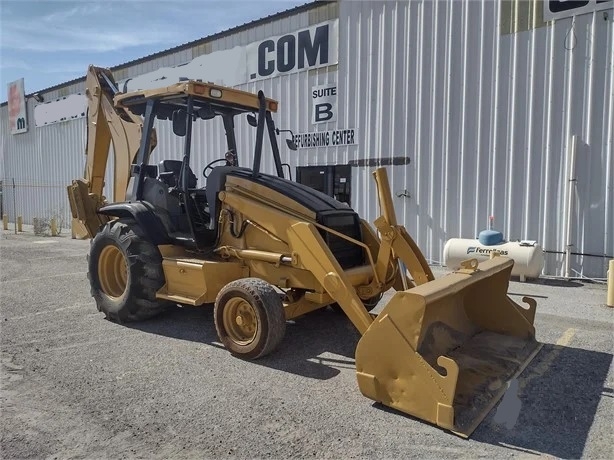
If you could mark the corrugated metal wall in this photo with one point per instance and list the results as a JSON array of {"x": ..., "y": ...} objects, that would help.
[
  {"x": 487, "y": 120},
  {"x": 485, "y": 115},
  {"x": 42, "y": 162}
]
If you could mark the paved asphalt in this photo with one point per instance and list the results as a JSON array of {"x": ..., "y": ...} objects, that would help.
[{"x": 74, "y": 385}]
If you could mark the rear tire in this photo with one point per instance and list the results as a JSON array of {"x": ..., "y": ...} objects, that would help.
[
  {"x": 249, "y": 318},
  {"x": 125, "y": 272}
]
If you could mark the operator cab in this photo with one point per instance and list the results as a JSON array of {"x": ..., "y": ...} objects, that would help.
[{"x": 187, "y": 207}]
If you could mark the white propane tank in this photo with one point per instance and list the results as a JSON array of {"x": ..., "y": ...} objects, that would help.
[{"x": 528, "y": 256}]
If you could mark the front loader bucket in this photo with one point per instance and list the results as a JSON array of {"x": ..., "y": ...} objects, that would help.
[{"x": 445, "y": 351}]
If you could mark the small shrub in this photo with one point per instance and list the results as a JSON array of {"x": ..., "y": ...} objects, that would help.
[{"x": 42, "y": 226}]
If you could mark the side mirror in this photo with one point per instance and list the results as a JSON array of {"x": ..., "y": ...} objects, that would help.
[
  {"x": 251, "y": 119},
  {"x": 291, "y": 144},
  {"x": 179, "y": 122}
]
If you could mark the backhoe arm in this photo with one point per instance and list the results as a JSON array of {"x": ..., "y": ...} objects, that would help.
[{"x": 106, "y": 124}]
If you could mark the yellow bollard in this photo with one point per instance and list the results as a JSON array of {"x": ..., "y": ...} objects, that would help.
[
  {"x": 610, "y": 302},
  {"x": 19, "y": 224},
  {"x": 54, "y": 227},
  {"x": 5, "y": 221}
]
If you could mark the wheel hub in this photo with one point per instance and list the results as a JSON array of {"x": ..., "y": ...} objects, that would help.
[
  {"x": 240, "y": 321},
  {"x": 112, "y": 271}
]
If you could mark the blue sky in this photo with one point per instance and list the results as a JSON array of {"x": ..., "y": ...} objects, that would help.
[{"x": 50, "y": 42}]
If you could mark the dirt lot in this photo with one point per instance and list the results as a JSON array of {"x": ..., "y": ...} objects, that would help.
[{"x": 77, "y": 386}]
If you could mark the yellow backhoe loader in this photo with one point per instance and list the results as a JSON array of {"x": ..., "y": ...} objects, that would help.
[{"x": 264, "y": 249}]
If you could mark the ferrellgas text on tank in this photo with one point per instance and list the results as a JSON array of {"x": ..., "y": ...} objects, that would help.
[{"x": 484, "y": 251}]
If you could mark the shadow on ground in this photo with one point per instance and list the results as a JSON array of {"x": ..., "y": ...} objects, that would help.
[
  {"x": 559, "y": 393},
  {"x": 306, "y": 339},
  {"x": 550, "y": 282}
]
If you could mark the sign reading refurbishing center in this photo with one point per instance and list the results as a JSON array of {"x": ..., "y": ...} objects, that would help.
[{"x": 18, "y": 112}]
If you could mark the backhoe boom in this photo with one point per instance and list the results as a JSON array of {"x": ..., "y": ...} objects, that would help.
[{"x": 106, "y": 124}]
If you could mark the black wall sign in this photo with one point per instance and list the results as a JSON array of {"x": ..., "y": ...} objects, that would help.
[{"x": 310, "y": 48}]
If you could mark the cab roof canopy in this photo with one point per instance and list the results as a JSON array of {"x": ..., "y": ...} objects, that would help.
[{"x": 207, "y": 97}]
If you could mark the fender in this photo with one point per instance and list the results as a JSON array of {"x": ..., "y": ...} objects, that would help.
[{"x": 142, "y": 212}]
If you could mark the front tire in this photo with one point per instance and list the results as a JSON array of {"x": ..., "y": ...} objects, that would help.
[
  {"x": 125, "y": 272},
  {"x": 249, "y": 318}
]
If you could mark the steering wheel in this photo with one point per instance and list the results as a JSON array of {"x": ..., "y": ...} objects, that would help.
[
  {"x": 230, "y": 158},
  {"x": 210, "y": 165}
]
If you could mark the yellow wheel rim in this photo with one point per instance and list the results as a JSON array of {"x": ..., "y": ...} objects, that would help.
[
  {"x": 112, "y": 271},
  {"x": 240, "y": 321}
]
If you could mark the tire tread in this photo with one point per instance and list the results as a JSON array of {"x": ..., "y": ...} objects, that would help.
[
  {"x": 265, "y": 295},
  {"x": 146, "y": 274}
]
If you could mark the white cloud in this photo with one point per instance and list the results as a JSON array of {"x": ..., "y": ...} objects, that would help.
[
  {"x": 93, "y": 26},
  {"x": 50, "y": 41},
  {"x": 87, "y": 27},
  {"x": 85, "y": 9},
  {"x": 20, "y": 36},
  {"x": 66, "y": 69},
  {"x": 10, "y": 63}
]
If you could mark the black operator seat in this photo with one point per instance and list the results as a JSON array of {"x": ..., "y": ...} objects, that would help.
[
  {"x": 195, "y": 198},
  {"x": 169, "y": 171}
]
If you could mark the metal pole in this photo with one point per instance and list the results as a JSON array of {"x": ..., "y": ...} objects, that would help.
[
  {"x": 259, "y": 134},
  {"x": 610, "y": 295},
  {"x": 14, "y": 206},
  {"x": 274, "y": 146},
  {"x": 571, "y": 182}
]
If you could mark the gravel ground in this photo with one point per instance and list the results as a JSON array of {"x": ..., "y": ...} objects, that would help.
[{"x": 77, "y": 386}]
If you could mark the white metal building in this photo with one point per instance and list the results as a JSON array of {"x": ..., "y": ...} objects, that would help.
[{"x": 478, "y": 108}]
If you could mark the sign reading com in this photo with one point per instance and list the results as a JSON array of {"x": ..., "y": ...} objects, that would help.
[
  {"x": 310, "y": 48},
  {"x": 18, "y": 113}
]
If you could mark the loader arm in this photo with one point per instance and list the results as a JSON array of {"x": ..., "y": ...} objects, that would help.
[
  {"x": 396, "y": 238},
  {"x": 443, "y": 350},
  {"x": 106, "y": 124}
]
